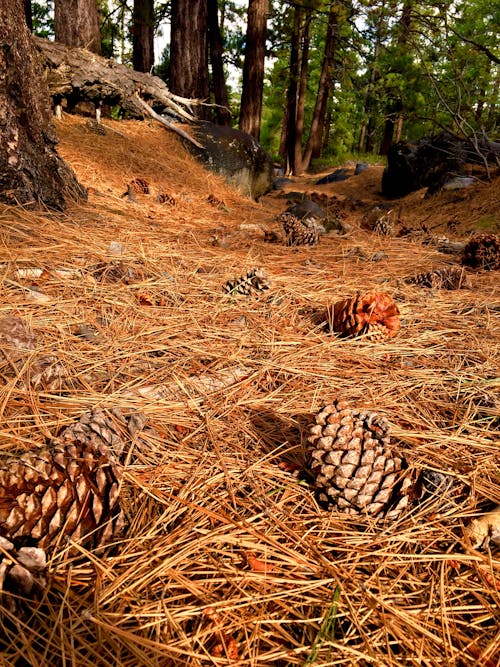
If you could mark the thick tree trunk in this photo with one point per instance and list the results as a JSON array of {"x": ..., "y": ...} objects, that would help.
[
  {"x": 142, "y": 35},
  {"x": 188, "y": 50},
  {"x": 222, "y": 110},
  {"x": 30, "y": 169},
  {"x": 253, "y": 68},
  {"x": 76, "y": 23},
  {"x": 28, "y": 13},
  {"x": 313, "y": 145}
]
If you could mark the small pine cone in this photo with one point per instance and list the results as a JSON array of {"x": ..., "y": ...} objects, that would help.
[
  {"x": 373, "y": 314},
  {"x": 354, "y": 468},
  {"x": 254, "y": 281},
  {"x": 67, "y": 489},
  {"x": 113, "y": 272},
  {"x": 451, "y": 278},
  {"x": 384, "y": 225},
  {"x": 140, "y": 185},
  {"x": 47, "y": 373},
  {"x": 165, "y": 198},
  {"x": 299, "y": 232},
  {"x": 483, "y": 252}
]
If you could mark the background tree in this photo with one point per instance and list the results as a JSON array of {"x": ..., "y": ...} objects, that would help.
[
  {"x": 143, "y": 35},
  {"x": 76, "y": 23},
  {"x": 30, "y": 169},
  {"x": 188, "y": 50},
  {"x": 221, "y": 99},
  {"x": 253, "y": 68}
]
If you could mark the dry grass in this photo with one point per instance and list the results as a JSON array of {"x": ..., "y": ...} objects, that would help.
[{"x": 225, "y": 545}]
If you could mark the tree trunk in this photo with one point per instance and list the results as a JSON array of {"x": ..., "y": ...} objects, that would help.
[
  {"x": 395, "y": 104},
  {"x": 222, "y": 110},
  {"x": 301, "y": 95},
  {"x": 291, "y": 97},
  {"x": 253, "y": 68},
  {"x": 31, "y": 172},
  {"x": 313, "y": 145},
  {"x": 188, "y": 50},
  {"x": 28, "y": 13},
  {"x": 142, "y": 35},
  {"x": 76, "y": 23}
]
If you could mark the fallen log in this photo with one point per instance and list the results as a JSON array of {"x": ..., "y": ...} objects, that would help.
[{"x": 77, "y": 75}]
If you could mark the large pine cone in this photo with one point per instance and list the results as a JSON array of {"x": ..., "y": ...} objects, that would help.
[
  {"x": 298, "y": 231},
  {"x": 482, "y": 252},
  {"x": 373, "y": 314},
  {"x": 68, "y": 489},
  {"x": 354, "y": 467}
]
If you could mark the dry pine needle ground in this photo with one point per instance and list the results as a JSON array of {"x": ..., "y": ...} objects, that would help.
[{"x": 228, "y": 558}]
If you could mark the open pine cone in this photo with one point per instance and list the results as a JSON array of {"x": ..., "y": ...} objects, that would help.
[
  {"x": 354, "y": 468},
  {"x": 253, "y": 282},
  {"x": 298, "y": 231},
  {"x": 373, "y": 314},
  {"x": 451, "y": 278},
  {"x": 482, "y": 252},
  {"x": 69, "y": 489}
]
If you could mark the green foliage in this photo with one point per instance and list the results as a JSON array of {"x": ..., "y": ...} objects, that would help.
[{"x": 43, "y": 19}]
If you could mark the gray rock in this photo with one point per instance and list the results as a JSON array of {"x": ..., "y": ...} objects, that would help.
[{"x": 235, "y": 155}]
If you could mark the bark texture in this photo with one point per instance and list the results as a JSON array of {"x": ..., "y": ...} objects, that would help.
[
  {"x": 142, "y": 35},
  {"x": 76, "y": 23},
  {"x": 253, "y": 68},
  {"x": 222, "y": 110},
  {"x": 188, "y": 50},
  {"x": 30, "y": 169}
]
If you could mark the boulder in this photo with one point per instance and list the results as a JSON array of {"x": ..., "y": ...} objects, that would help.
[{"x": 236, "y": 155}]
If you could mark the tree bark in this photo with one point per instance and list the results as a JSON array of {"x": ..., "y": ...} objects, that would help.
[
  {"x": 28, "y": 13},
  {"x": 76, "y": 23},
  {"x": 313, "y": 145},
  {"x": 222, "y": 111},
  {"x": 142, "y": 35},
  {"x": 188, "y": 50},
  {"x": 31, "y": 172},
  {"x": 253, "y": 68},
  {"x": 301, "y": 94},
  {"x": 292, "y": 90}
]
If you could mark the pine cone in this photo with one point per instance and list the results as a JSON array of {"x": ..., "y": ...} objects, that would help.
[
  {"x": 451, "y": 278},
  {"x": 373, "y": 314},
  {"x": 384, "y": 225},
  {"x": 21, "y": 568},
  {"x": 255, "y": 280},
  {"x": 67, "y": 489},
  {"x": 299, "y": 232},
  {"x": 482, "y": 252},
  {"x": 354, "y": 467},
  {"x": 140, "y": 185},
  {"x": 16, "y": 338}
]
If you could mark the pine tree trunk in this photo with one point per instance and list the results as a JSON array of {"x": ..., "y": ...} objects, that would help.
[
  {"x": 313, "y": 145},
  {"x": 76, "y": 23},
  {"x": 291, "y": 110},
  {"x": 222, "y": 111},
  {"x": 188, "y": 50},
  {"x": 301, "y": 96},
  {"x": 142, "y": 35},
  {"x": 31, "y": 172},
  {"x": 253, "y": 68}
]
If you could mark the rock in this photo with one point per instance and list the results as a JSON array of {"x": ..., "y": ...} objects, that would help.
[
  {"x": 279, "y": 183},
  {"x": 306, "y": 209},
  {"x": 360, "y": 167},
  {"x": 334, "y": 177},
  {"x": 459, "y": 183},
  {"x": 431, "y": 162},
  {"x": 235, "y": 155}
]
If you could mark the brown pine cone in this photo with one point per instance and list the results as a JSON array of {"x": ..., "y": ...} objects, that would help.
[
  {"x": 482, "y": 252},
  {"x": 67, "y": 489},
  {"x": 450, "y": 278},
  {"x": 373, "y": 314},
  {"x": 354, "y": 468},
  {"x": 299, "y": 232}
]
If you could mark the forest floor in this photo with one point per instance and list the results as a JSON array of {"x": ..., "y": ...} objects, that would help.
[{"x": 228, "y": 558}]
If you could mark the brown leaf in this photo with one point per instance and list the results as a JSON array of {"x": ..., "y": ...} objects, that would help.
[{"x": 256, "y": 564}]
